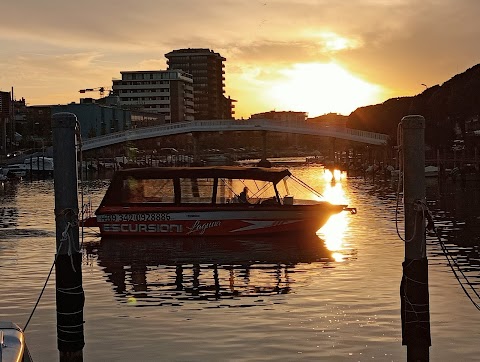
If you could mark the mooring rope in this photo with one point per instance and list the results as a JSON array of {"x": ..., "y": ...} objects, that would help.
[
  {"x": 451, "y": 261},
  {"x": 44, "y": 287},
  {"x": 78, "y": 133},
  {"x": 308, "y": 187}
]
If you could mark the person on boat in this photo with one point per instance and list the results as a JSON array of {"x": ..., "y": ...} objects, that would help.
[{"x": 243, "y": 197}]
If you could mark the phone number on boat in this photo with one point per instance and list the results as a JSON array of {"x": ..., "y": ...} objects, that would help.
[{"x": 151, "y": 216}]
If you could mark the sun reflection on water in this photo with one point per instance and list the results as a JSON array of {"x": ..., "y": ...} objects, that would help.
[{"x": 334, "y": 230}]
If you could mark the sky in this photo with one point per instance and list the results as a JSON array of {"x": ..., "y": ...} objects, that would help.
[{"x": 314, "y": 56}]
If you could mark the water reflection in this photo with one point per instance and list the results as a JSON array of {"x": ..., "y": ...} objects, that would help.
[
  {"x": 171, "y": 272},
  {"x": 8, "y": 191},
  {"x": 334, "y": 231}
]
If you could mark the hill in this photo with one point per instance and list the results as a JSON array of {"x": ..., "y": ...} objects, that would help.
[{"x": 449, "y": 109}]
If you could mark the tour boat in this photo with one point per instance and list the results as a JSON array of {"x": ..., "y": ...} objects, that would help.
[{"x": 203, "y": 201}]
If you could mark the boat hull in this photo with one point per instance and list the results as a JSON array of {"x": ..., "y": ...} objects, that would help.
[{"x": 208, "y": 221}]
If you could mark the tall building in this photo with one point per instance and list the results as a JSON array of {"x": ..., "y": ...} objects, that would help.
[
  {"x": 207, "y": 69},
  {"x": 167, "y": 92}
]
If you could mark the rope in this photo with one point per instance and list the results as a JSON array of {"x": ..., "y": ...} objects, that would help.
[
  {"x": 78, "y": 133},
  {"x": 307, "y": 186},
  {"x": 44, "y": 287},
  {"x": 452, "y": 262}
]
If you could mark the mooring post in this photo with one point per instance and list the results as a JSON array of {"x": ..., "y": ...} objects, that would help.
[
  {"x": 264, "y": 162},
  {"x": 195, "y": 140},
  {"x": 68, "y": 273},
  {"x": 264, "y": 145},
  {"x": 415, "y": 307}
]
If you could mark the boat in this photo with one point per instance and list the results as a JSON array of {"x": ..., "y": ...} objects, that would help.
[
  {"x": 12, "y": 343},
  {"x": 39, "y": 164},
  {"x": 14, "y": 170},
  {"x": 33, "y": 164},
  {"x": 431, "y": 171},
  {"x": 203, "y": 201}
]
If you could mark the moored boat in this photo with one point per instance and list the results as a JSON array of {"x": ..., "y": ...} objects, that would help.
[
  {"x": 203, "y": 201},
  {"x": 12, "y": 343}
]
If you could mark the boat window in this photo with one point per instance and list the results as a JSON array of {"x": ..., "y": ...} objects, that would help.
[
  {"x": 148, "y": 190},
  {"x": 228, "y": 190},
  {"x": 196, "y": 190}
]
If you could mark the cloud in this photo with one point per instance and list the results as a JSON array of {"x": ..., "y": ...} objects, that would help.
[{"x": 398, "y": 44}]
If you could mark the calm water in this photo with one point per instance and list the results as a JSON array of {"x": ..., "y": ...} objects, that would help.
[{"x": 333, "y": 298}]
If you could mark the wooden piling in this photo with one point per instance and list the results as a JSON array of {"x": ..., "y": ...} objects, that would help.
[
  {"x": 68, "y": 272},
  {"x": 415, "y": 307},
  {"x": 264, "y": 162}
]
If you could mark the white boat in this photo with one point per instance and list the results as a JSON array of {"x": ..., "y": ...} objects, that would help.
[
  {"x": 17, "y": 169},
  {"x": 431, "y": 171},
  {"x": 39, "y": 164},
  {"x": 12, "y": 344}
]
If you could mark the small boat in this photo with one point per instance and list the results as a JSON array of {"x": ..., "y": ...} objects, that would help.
[
  {"x": 12, "y": 344},
  {"x": 431, "y": 171},
  {"x": 204, "y": 201},
  {"x": 39, "y": 164},
  {"x": 17, "y": 170}
]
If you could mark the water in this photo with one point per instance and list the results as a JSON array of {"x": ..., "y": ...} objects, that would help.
[{"x": 330, "y": 299}]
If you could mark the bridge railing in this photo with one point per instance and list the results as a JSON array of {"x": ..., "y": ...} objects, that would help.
[{"x": 233, "y": 125}]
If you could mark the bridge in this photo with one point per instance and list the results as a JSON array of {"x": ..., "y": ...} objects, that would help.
[{"x": 266, "y": 125}]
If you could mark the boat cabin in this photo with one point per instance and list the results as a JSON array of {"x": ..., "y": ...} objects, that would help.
[{"x": 197, "y": 185}]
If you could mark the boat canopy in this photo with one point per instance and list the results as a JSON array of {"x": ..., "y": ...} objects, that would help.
[
  {"x": 225, "y": 172},
  {"x": 170, "y": 184}
]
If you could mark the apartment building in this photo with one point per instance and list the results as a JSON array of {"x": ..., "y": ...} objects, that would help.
[
  {"x": 208, "y": 73},
  {"x": 167, "y": 92}
]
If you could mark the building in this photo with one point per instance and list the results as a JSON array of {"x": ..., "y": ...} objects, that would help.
[
  {"x": 35, "y": 125},
  {"x": 207, "y": 69},
  {"x": 281, "y": 116},
  {"x": 5, "y": 124},
  {"x": 165, "y": 92},
  {"x": 330, "y": 120},
  {"x": 95, "y": 119}
]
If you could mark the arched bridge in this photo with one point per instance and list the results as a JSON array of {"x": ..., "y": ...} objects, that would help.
[{"x": 235, "y": 125}]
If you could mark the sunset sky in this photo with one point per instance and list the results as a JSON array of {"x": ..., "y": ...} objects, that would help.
[{"x": 316, "y": 56}]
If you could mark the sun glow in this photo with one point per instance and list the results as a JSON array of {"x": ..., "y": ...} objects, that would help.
[
  {"x": 334, "y": 230},
  {"x": 332, "y": 42},
  {"x": 318, "y": 89},
  {"x": 336, "y": 175}
]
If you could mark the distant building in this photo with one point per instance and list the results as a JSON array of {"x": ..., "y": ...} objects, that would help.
[
  {"x": 207, "y": 69},
  {"x": 5, "y": 124},
  {"x": 34, "y": 124},
  {"x": 96, "y": 120},
  {"x": 165, "y": 92},
  {"x": 330, "y": 120},
  {"x": 281, "y": 116}
]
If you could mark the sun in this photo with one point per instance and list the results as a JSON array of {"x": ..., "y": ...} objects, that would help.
[{"x": 318, "y": 88}]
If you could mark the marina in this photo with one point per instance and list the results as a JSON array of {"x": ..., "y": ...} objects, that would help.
[{"x": 332, "y": 298}]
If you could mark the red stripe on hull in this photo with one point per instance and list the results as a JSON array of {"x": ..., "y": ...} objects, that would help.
[{"x": 212, "y": 228}]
